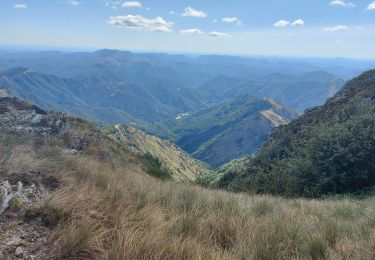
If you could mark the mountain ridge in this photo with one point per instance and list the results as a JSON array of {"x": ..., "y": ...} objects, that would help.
[
  {"x": 330, "y": 149},
  {"x": 229, "y": 130},
  {"x": 181, "y": 165}
]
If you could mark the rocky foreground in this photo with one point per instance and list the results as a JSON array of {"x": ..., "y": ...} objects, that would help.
[{"x": 24, "y": 234}]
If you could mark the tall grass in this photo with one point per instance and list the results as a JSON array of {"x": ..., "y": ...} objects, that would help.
[
  {"x": 114, "y": 210},
  {"x": 144, "y": 218}
]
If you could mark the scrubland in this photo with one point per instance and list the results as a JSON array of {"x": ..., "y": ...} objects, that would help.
[{"x": 111, "y": 209}]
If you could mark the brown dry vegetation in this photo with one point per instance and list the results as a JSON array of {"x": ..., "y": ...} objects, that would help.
[{"x": 112, "y": 210}]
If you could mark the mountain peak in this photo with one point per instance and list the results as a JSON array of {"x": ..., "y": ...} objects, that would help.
[
  {"x": 360, "y": 87},
  {"x": 110, "y": 52}
]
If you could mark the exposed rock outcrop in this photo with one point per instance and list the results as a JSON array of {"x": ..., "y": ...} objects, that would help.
[{"x": 21, "y": 239}]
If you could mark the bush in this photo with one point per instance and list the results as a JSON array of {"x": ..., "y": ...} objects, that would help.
[
  {"x": 154, "y": 167},
  {"x": 50, "y": 216}
]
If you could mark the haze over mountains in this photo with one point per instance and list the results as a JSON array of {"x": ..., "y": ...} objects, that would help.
[
  {"x": 296, "y": 91},
  {"x": 163, "y": 94}
]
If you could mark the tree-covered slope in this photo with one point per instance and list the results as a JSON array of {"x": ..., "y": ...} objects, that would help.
[
  {"x": 329, "y": 150},
  {"x": 230, "y": 129},
  {"x": 297, "y": 91},
  {"x": 104, "y": 96}
]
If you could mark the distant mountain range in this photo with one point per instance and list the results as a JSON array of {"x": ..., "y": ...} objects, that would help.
[
  {"x": 99, "y": 98},
  {"x": 200, "y": 102},
  {"x": 299, "y": 91}
]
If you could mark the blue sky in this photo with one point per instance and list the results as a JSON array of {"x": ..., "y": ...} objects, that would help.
[{"x": 324, "y": 28}]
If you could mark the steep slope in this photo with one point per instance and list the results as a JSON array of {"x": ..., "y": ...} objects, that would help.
[
  {"x": 76, "y": 135},
  {"x": 230, "y": 129},
  {"x": 329, "y": 150},
  {"x": 181, "y": 165},
  {"x": 45, "y": 90},
  {"x": 76, "y": 194},
  {"x": 298, "y": 91}
]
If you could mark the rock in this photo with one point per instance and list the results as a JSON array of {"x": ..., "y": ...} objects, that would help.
[
  {"x": 36, "y": 120},
  {"x": 3, "y": 93},
  {"x": 59, "y": 123},
  {"x": 369, "y": 99},
  {"x": 3, "y": 194},
  {"x": 71, "y": 152},
  {"x": 7, "y": 186},
  {"x": 20, "y": 195},
  {"x": 19, "y": 251},
  {"x": 14, "y": 241}
]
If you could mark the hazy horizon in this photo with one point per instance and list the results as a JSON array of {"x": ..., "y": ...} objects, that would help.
[
  {"x": 41, "y": 48},
  {"x": 327, "y": 28}
]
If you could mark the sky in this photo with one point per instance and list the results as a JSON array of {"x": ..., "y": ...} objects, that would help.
[{"x": 302, "y": 28}]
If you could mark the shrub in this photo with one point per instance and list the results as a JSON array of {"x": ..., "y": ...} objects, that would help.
[
  {"x": 154, "y": 167},
  {"x": 51, "y": 216}
]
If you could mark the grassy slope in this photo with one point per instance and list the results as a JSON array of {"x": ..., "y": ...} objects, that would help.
[
  {"x": 181, "y": 165},
  {"x": 111, "y": 209}
]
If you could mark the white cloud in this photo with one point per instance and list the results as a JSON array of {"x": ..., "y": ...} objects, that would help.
[
  {"x": 193, "y": 13},
  {"x": 74, "y": 2},
  {"x": 339, "y": 42},
  {"x": 232, "y": 20},
  {"x": 371, "y": 6},
  {"x": 298, "y": 22},
  {"x": 218, "y": 34},
  {"x": 281, "y": 23},
  {"x": 344, "y": 3},
  {"x": 112, "y": 4},
  {"x": 336, "y": 28},
  {"x": 214, "y": 21},
  {"x": 136, "y": 21},
  {"x": 191, "y": 31},
  {"x": 132, "y": 4},
  {"x": 20, "y": 6},
  {"x": 172, "y": 12}
]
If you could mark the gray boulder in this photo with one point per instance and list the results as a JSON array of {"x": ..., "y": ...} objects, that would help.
[{"x": 36, "y": 120}]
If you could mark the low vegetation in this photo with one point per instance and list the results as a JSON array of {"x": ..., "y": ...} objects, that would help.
[
  {"x": 154, "y": 167},
  {"x": 163, "y": 157},
  {"x": 112, "y": 209},
  {"x": 112, "y": 203}
]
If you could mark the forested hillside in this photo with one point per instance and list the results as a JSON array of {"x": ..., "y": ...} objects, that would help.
[{"x": 329, "y": 150}]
